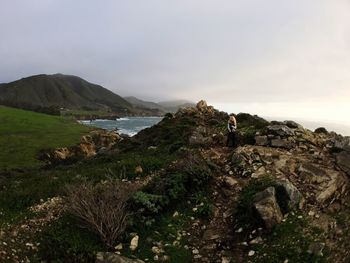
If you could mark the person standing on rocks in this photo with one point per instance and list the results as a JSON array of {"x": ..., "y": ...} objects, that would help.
[{"x": 231, "y": 136}]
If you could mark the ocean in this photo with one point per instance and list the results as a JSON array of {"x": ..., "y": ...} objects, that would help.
[
  {"x": 127, "y": 125},
  {"x": 132, "y": 125}
]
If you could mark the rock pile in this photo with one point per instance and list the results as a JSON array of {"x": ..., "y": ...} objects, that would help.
[{"x": 97, "y": 141}]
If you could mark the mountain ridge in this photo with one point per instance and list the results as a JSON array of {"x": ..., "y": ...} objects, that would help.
[
  {"x": 64, "y": 91},
  {"x": 52, "y": 93}
]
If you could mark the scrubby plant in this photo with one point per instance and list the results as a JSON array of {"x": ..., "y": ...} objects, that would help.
[
  {"x": 248, "y": 125},
  {"x": 101, "y": 207},
  {"x": 62, "y": 241},
  {"x": 148, "y": 203},
  {"x": 198, "y": 169},
  {"x": 204, "y": 206},
  {"x": 186, "y": 176}
]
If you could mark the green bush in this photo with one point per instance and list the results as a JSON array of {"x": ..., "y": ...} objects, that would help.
[
  {"x": 148, "y": 203},
  {"x": 187, "y": 176},
  {"x": 64, "y": 241},
  {"x": 203, "y": 204}
]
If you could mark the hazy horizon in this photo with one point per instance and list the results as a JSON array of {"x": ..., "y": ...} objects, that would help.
[{"x": 269, "y": 58}]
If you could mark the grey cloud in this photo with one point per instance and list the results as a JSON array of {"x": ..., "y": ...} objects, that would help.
[{"x": 252, "y": 51}]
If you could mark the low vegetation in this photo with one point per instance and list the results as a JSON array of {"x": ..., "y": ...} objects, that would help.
[{"x": 180, "y": 201}]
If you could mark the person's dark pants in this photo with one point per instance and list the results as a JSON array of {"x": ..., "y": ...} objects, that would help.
[{"x": 231, "y": 139}]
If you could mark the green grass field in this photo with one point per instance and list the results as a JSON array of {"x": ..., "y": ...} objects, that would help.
[{"x": 23, "y": 133}]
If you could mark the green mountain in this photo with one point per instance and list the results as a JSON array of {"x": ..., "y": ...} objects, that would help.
[{"x": 64, "y": 91}]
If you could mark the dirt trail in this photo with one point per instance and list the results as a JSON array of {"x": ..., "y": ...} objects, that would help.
[{"x": 214, "y": 238}]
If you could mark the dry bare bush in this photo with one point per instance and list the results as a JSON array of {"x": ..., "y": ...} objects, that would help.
[{"x": 102, "y": 207}]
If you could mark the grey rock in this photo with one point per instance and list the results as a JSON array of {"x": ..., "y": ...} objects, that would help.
[
  {"x": 200, "y": 137},
  {"x": 267, "y": 207},
  {"x": 280, "y": 130},
  {"x": 342, "y": 143},
  {"x": 202, "y": 105},
  {"x": 281, "y": 143},
  {"x": 343, "y": 161},
  {"x": 108, "y": 257},
  {"x": 261, "y": 140},
  {"x": 229, "y": 181},
  {"x": 211, "y": 234},
  {"x": 316, "y": 248},
  {"x": 292, "y": 124},
  {"x": 294, "y": 196}
]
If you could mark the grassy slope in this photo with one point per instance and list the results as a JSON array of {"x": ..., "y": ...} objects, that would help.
[{"x": 23, "y": 133}]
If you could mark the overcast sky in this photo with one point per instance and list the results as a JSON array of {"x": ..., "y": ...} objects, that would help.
[{"x": 272, "y": 57}]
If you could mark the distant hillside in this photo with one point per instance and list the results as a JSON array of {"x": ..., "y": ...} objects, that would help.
[
  {"x": 174, "y": 105},
  {"x": 161, "y": 107},
  {"x": 144, "y": 104},
  {"x": 64, "y": 91}
]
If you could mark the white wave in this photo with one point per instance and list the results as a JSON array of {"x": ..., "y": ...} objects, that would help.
[
  {"x": 101, "y": 120},
  {"x": 84, "y": 121},
  {"x": 123, "y": 119}
]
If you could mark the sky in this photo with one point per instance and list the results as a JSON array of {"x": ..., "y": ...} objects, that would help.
[{"x": 288, "y": 59}]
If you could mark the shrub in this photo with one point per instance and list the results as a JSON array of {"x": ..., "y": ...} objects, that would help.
[
  {"x": 189, "y": 175},
  {"x": 198, "y": 170},
  {"x": 147, "y": 202},
  {"x": 101, "y": 207},
  {"x": 62, "y": 241},
  {"x": 321, "y": 130},
  {"x": 204, "y": 206}
]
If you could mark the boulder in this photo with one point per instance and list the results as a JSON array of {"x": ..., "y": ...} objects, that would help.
[
  {"x": 108, "y": 257},
  {"x": 202, "y": 105},
  {"x": 200, "y": 137},
  {"x": 138, "y": 169},
  {"x": 281, "y": 143},
  {"x": 89, "y": 145},
  {"x": 333, "y": 188},
  {"x": 294, "y": 197},
  {"x": 261, "y": 140},
  {"x": 86, "y": 149},
  {"x": 343, "y": 161},
  {"x": 267, "y": 207},
  {"x": 229, "y": 181},
  {"x": 292, "y": 124},
  {"x": 316, "y": 248},
  {"x": 134, "y": 243},
  {"x": 280, "y": 130},
  {"x": 342, "y": 143}
]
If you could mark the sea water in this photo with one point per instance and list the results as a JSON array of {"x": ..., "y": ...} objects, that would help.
[{"x": 127, "y": 125}]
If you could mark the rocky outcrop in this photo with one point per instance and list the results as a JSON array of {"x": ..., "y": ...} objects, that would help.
[
  {"x": 266, "y": 205},
  {"x": 108, "y": 257},
  {"x": 90, "y": 145},
  {"x": 199, "y": 137},
  {"x": 341, "y": 148},
  {"x": 293, "y": 195},
  {"x": 280, "y": 130},
  {"x": 312, "y": 173},
  {"x": 343, "y": 160}
]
